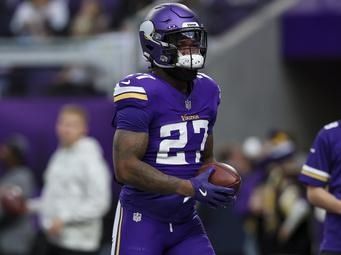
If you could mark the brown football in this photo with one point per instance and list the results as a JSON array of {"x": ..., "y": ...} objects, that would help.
[
  {"x": 13, "y": 201},
  {"x": 224, "y": 175}
]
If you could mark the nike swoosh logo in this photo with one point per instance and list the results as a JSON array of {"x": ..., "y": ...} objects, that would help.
[
  {"x": 126, "y": 82},
  {"x": 204, "y": 193},
  {"x": 186, "y": 199}
]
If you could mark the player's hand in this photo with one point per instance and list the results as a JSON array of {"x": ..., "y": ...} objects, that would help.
[
  {"x": 56, "y": 227},
  {"x": 208, "y": 193}
]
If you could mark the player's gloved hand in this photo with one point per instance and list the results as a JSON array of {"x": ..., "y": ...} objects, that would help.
[{"x": 208, "y": 193}]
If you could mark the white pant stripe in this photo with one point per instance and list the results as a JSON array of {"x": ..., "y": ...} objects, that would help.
[{"x": 116, "y": 229}]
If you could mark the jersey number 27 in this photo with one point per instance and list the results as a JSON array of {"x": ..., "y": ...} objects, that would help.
[{"x": 166, "y": 145}]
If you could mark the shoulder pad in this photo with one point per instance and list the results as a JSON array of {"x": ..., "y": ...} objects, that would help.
[
  {"x": 207, "y": 79},
  {"x": 131, "y": 91},
  {"x": 212, "y": 84}
]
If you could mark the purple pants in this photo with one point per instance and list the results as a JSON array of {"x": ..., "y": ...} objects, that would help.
[{"x": 137, "y": 234}]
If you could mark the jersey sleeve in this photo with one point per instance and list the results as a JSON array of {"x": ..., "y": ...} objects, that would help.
[
  {"x": 133, "y": 119},
  {"x": 211, "y": 124},
  {"x": 316, "y": 170},
  {"x": 131, "y": 101},
  {"x": 215, "y": 98},
  {"x": 130, "y": 92}
]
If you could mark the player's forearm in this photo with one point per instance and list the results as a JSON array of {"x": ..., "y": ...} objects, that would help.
[
  {"x": 321, "y": 198},
  {"x": 207, "y": 155},
  {"x": 129, "y": 149},
  {"x": 145, "y": 177}
]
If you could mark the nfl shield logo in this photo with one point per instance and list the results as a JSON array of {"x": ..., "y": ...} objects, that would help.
[
  {"x": 188, "y": 104},
  {"x": 137, "y": 217}
]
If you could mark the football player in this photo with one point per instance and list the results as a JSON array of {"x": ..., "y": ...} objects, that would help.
[
  {"x": 163, "y": 134},
  {"x": 321, "y": 174}
]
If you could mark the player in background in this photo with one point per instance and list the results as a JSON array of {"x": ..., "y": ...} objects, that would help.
[
  {"x": 163, "y": 134},
  {"x": 16, "y": 229},
  {"x": 321, "y": 174}
]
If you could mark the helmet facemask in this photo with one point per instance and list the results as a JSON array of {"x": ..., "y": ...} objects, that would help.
[{"x": 190, "y": 48}]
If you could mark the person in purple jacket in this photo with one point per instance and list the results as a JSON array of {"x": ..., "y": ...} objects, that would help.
[
  {"x": 163, "y": 134},
  {"x": 322, "y": 175}
]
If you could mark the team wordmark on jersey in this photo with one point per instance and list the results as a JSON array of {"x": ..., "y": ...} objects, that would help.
[{"x": 190, "y": 117}]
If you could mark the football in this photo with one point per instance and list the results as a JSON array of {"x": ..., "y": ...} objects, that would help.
[
  {"x": 224, "y": 175},
  {"x": 13, "y": 201}
]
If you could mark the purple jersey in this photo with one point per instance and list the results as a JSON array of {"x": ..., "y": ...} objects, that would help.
[
  {"x": 323, "y": 168},
  {"x": 178, "y": 126}
]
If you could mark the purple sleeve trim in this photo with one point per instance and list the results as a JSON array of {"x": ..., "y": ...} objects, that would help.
[{"x": 133, "y": 119}]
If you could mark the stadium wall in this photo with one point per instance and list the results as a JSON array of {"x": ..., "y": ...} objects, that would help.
[
  {"x": 261, "y": 89},
  {"x": 258, "y": 90}
]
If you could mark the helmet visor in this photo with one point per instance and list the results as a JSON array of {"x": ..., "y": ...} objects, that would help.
[{"x": 194, "y": 41}]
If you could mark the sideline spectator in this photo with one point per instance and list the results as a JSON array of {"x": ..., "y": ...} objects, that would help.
[{"x": 77, "y": 189}]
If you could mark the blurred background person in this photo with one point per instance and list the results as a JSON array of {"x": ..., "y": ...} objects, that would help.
[
  {"x": 279, "y": 202},
  {"x": 252, "y": 161},
  {"x": 76, "y": 194},
  {"x": 16, "y": 185},
  {"x": 40, "y": 18},
  {"x": 79, "y": 79},
  {"x": 90, "y": 19}
]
